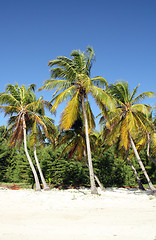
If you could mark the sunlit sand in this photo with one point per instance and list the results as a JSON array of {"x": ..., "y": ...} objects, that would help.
[{"x": 116, "y": 214}]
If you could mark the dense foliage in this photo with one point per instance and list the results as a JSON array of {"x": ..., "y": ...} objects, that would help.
[{"x": 64, "y": 171}]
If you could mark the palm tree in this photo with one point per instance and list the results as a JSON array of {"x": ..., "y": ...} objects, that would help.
[
  {"x": 106, "y": 142},
  {"x": 149, "y": 141},
  {"x": 39, "y": 127},
  {"x": 130, "y": 120},
  {"x": 74, "y": 139},
  {"x": 71, "y": 77},
  {"x": 18, "y": 103}
]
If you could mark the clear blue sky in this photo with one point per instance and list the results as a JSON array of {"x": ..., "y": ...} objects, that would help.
[{"x": 121, "y": 32}]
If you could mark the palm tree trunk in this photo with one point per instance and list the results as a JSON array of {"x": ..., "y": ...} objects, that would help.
[
  {"x": 91, "y": 173},
  {"x": 38, "y": 188},
  {"x": 45, "y": 186},
  {"x": 96, "y": 178},
  {"x": 141, "y": 165},
  {"x": 136, "y": 174}
]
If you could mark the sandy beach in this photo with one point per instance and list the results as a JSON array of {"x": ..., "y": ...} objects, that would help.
[{"x": 115, "y": 214}]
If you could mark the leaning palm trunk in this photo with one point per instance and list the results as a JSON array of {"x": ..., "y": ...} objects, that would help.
[
  {"x": 38, "y": 188},
  {"x": 45, "y": 186},
  {"x": 99, "y": 183},
  {"x": 96, "y": 178},
  {"x": 136, "y": 174},
  {"x": 91, "y": 173},
  {"x": 141, "y": 165}
]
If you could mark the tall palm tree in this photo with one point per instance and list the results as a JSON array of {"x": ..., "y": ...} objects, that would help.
[
  {"x": 149, "y": 142},
  {"x": 18, "y": 103},
  {"x": 106, "y": 142},
  {"x": 39, "y": 127},
  {"x": 71, "y": 77},
  {"x": 131, "y": 119},
  {"x": 74, "y": 139}
]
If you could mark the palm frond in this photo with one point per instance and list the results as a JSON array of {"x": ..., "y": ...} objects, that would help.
[
  {"x": 70, "y": 113},
  {"x": 132, "y": 123},
  {"x": 120, "y": 91},
  {"x": 50, "y": 84},
  {"x": 9, "y": 110},
  {"x": 14, "y": 90},
  {"x": 103, "y": 97},
  {"x": 99, "y": 81},
  {"x": 153, "y": 138},
  {"x": 142, "y": 96},
  {"x": 115, "y": 119},
  {"x": 7, "y": 98},
  {"x": 145, "y": 109},
  {"x": 17, "y": 135},
  {"x": 134, "y": 92},
  {"x": 32, "y": 87},
  {"x": 90, "y": 59},
  {"x": 90, "y": 117},
  {"x": 113, "y": 134},
  {"x": 79, "y": 61},
  {"x": 66, "y": 138},
  {"x": 74, "y": 146},
  {"x": 65, "y": 95},
  {"x": 141, "y": 143},
  {"x": 149, "y": 126},
  {"x": 33, "y": 135},
  {"x": 66, "y": 64},
  {"x": 40, "y": 121},
  {"x": 124, "y": 133},
  {"x": 59, "y": 59},
  {"x": 140, "y": 124}
]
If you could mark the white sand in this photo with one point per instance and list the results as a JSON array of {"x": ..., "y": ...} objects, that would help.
[{"x": 116, "y": 214}]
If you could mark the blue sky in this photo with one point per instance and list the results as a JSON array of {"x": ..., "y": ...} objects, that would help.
[{"x": 121, "y": 32}]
